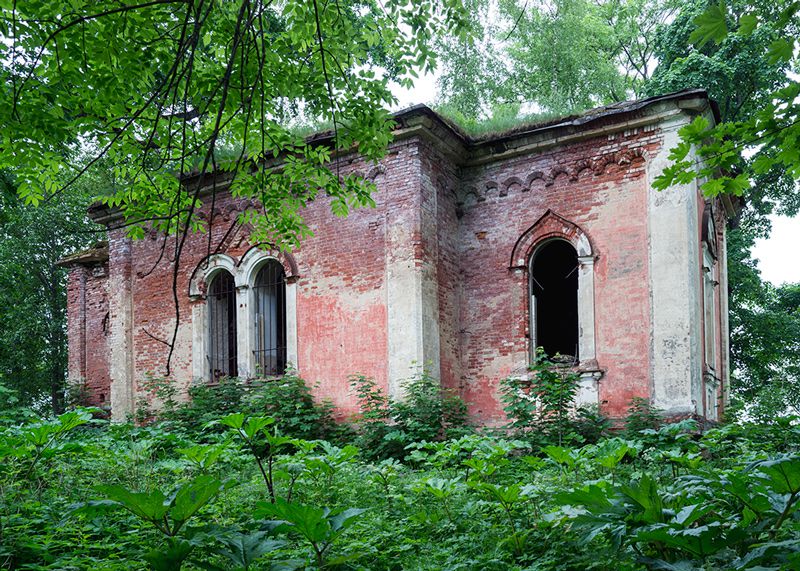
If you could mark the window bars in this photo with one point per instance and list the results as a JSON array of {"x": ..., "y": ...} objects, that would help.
[
  {"x": 270, "y": 320},
  {"x": 222, "y": 327}
]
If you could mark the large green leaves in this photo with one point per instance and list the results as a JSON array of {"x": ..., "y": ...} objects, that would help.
[
  {"x": 711, "y": 25},
  {"x": 167, "y": 513},
  {"x": 320, "y": 526}
]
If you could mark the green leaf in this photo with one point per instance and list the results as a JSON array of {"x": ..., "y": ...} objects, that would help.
[
  {"x": 234, "y": 420},
  {"x": 344, "y": 519},
  {"x": 780, "y": 50},
  {"x": 747, "y": 23},
  {"x": 244, "y": 549},
  {"x": 782, "y": 474},
  {"x": 171, "y": 559},
  {"x": 711, "y": 25},
  {"x": 193, "y": 496},
  {"x": 151, "y": 506}
]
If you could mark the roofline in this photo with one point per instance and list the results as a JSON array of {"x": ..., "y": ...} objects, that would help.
[
  {"x": 97, "y": 254},
  {"x": 403, "y": 116},
  {"x": 420, "y": 120}
]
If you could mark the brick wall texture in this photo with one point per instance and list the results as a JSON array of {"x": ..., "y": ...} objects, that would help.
[{"x": 456, "y": 224}]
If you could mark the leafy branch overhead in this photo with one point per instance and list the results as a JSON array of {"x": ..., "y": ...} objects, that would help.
[
  {"x": 160, "y": 90},
  {"x": 774, "y": 129},
  {"x": 177, "y": 99}
]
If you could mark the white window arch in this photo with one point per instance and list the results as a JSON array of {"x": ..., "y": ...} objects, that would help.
[
  {"x": 214, "y": 352},
  {"x": 269, "y": 284},
  {"x": 265, "y": 325},
  {"x": 551, "y": 229}
]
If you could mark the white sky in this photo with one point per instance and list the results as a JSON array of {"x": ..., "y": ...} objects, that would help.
[{"x": 778, "y": 257}]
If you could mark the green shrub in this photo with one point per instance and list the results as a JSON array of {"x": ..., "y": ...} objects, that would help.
[
  {"x": 641, "y": 416},
  {"x": 541, "y": 406},
  {"x": 429, "y": 412},
  {"x": 289, "y": 400},
  {"x": 208, "y": 402},
  {"x": 385, "y": 427}
]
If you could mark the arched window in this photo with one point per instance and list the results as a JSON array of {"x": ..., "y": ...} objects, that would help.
[
  {"x": 269, "y": 296},
  {"x": 222, "y": 326},
  {"x": 554, "y": 298}
]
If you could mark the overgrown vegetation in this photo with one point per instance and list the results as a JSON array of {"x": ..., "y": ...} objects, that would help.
[{"x": 212, "y": 488}]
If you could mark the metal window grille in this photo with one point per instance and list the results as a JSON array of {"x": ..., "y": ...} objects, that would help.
[
  {"x": 222, "y": 327},
  {"x": 270, "y": 320}
]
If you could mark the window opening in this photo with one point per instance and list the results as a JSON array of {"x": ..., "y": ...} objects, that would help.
[
  {"x": 270, "y": 319},
  {"x": 554, "y": 298},
  {"x": 222, "y": 326},
  {"x": 709, "y": 309}
]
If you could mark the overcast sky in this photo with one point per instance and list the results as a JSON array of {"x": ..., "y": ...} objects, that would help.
[{"x": 778, "y": 257}]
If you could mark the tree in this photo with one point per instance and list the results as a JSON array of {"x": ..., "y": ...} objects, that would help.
[
  {"x": 773, "y": 129},
  {"x": 551, "y": 57},
  {"x": 33, "y": 349},
  {"x": 163, "y": 92},
  {"x": 748, "y": 77}
]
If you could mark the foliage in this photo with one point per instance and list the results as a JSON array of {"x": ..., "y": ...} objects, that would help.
[
  {"x": 385, "y": 426},
  {"x": 100, "y": 500},
  {"x": 541, "y": 407},
  {"x": 521, "y": 58},
  {"x": 164, "y": 88},
  {"x": 287, "y": 399},
  {"x": 319, "y": 526},
  {"x": 33, "y": 347},
  {"x": 641, "y": 416},
  {"x": 742, "y": 75}
]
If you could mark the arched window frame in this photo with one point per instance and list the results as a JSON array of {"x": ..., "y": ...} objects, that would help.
[
  {"x": 249, "y": 267},
  {"x": 550, "y": 226},
  {"x": 202, "y": 277},
  {"x": 244, "y": 274}
]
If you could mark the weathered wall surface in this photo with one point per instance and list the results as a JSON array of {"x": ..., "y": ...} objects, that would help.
[
  {"x": 87, "y": 331},
  {"x": 345, "y": 321},
  {"x": 427, "y": 279},
  {"x": 598, "y": 185}
]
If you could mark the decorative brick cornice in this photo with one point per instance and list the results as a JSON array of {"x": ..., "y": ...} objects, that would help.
[
  {"x": 550, "y": 225},
  {"x": 572, "y": 171}
]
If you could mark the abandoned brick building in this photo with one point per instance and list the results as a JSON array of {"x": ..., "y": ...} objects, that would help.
[{"x": 477, "y": 251}]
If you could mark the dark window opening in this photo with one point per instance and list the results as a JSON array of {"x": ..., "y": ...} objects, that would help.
[
  {"x": 270, "y": 320},
  {"x": 554, "y": 295},
  {"x": 222, "y": 327}
]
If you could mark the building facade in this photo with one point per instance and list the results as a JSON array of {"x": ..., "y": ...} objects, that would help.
[{"x": 476, "y": 252}]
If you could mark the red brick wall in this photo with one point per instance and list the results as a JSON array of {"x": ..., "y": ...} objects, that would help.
[
  {"x": 341, "y": 298},
  {"x": 461, "y": 226},
  {"x": 87, "y": 331},
  {"x": 609, "y": 203}
]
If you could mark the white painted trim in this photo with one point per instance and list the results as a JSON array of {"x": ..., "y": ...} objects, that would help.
[
  {"x": 199, "y": 340},
  {"x": 586, "y": 327},
  {"x": 244, "y": 329},
  {"x": 209, "y": 267},
  {"x": 203, "y": 275},
  {"x": 244, "y": 276},
  {"x": 674, "y": 284},
  {"x": 292, "y": 354},
  {"x": 248, "y": 269}
]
